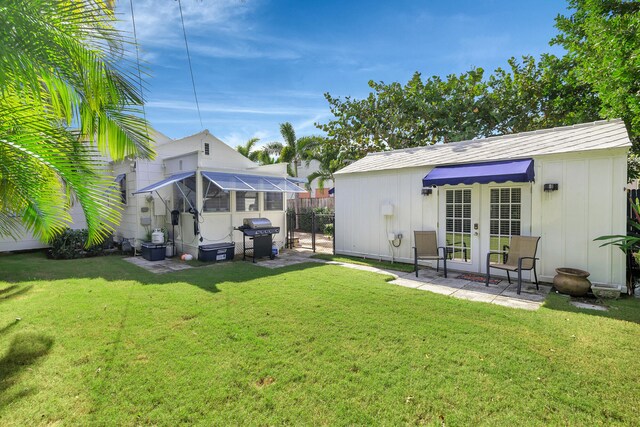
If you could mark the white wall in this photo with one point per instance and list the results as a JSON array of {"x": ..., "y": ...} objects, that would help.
[
  {"x": 589, "y": 203},
  {"x": 217, "y": 227},
  {"x": 27, "y": 241}
]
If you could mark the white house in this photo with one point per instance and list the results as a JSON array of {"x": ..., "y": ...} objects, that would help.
[
  {"x": 582, "y": 167},
  {"x": 202, "y": 174}
]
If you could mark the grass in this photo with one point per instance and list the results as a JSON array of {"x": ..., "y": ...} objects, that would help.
[
  {"x": 397, "y": 266},
  {"x": 103, "y": 342}
]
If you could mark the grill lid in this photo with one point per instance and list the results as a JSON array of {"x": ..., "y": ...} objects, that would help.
[{"x": 257, "y": 223}]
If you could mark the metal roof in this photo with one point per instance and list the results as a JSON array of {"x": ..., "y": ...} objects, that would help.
[{"x": 598, "y": 135}]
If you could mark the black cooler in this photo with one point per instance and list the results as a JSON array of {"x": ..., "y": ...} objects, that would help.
[
  {"x": 217, "y": 252},
  {"x": 153, "y": 252}
]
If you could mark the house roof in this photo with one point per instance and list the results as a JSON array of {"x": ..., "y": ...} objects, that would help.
[{"x": 583, "y": 137}]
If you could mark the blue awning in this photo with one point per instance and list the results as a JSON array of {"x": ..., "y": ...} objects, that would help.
[
  {"x": 243, "y": 182},
  {"x": 332, "y": 190},
  {"x": 481, "y": 173},
  {"x": 168, "y": 181}
]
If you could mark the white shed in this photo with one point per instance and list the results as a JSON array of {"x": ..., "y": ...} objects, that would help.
[{"x": 500, "y": 191}]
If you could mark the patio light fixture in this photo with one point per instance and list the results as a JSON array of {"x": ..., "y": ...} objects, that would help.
[
  {"x": 427, "y": 191},
  {"x": 551, "y": 187}
]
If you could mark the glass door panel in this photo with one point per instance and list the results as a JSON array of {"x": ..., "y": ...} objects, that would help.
[
  {"x": 505, "y": 217},
  {"x": 458, "y": 224}
]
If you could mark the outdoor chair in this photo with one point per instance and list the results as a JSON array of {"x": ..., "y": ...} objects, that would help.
[
  {"x": 521, "y": 255},
  {"x": 426, "y": 249}
]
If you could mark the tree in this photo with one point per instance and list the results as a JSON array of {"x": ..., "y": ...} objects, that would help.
[
  {"x": 536, "y": 95},
  {"x": 294, "y": 150},
  {"x": 66, "y": 97},
  {"x": 603, "y": 38},
  {"x": 263, "y": 156},
  {"x": 247, "y": 149},
  {"x": 330, "y": 161},
  {"x": 419, "y": 113},
  {"x": 528, "y": 95}
]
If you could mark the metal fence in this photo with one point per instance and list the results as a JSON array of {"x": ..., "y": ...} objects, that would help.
[{"x": 311, "y": 230}]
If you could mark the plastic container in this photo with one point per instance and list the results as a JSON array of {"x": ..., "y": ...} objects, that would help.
[
  {"x": 153, "y": 252},
  {"x": 217, "y": 252},
  {"x": 274, "y": 250},
  {"x": 157, "y": 237}
]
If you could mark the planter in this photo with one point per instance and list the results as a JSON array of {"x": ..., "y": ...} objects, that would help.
[{"x": 572, "y": 281}]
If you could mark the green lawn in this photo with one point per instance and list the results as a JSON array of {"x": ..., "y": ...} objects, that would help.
[{"x": 102, "y": 342}]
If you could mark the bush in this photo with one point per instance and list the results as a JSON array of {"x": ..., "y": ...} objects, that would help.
[
  {"x": 324, "y": 217},
  {"x": 328, "y": 229},
  {"x": 70, "y": 244}
]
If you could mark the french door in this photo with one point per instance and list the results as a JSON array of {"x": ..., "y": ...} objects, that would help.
[
  {"x": 506, "y": 212},
  {"x": 459, "y": 226},
  {"x": 476, "y": 219}
]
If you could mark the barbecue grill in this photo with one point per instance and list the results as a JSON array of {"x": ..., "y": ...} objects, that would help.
[{"x": 261, "y": 231}]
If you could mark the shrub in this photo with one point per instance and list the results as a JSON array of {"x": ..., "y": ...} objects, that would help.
[
  {"x": 328, "y": 229},
  {"x": 71, "y": 244},
  {"x": 324, "y": 216}
]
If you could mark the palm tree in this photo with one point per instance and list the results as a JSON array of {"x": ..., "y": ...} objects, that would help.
[
  {"x": 294, "y": 150},
  {"x": 330, "y": 161},
  {"x": 247, "y": 149},
  {"x": 67, "y": 100}
]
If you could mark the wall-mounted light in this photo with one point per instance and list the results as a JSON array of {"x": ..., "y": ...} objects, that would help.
[
  {"x": 427, "y": 191},
  {"x": 132, "y": 166},
  {"x": 551, "y": 187}
]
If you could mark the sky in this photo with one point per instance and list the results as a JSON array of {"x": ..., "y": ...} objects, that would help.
[{"x": 260, "y": 63}]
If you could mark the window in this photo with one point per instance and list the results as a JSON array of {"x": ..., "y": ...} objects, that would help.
[
  {"x": 458, "y": 224},
  {"x": 273, "y": 201},
  {"x": 181, "y": 189},
  {"x": 246, "y": 201},
  {"x": 215, "y": 199},
  {"x": 504, "y": 217},
  {"x": 123, "y": 189}
]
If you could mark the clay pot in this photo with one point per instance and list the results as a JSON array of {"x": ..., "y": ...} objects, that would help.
[{"x": 572, "y": 281}]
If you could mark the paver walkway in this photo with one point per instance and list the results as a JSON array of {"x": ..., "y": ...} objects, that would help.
[{"x": 502, "y": 293}]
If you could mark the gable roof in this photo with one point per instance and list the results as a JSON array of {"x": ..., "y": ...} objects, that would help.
[{"x": 598, "y": 135}]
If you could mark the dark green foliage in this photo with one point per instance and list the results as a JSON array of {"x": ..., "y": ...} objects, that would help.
[
  {"x": 603, "y": 40},
  {"x": 71, "y": 244},
  {"x": 323, "y": 217},
  {"x": 528, "y": 95}
]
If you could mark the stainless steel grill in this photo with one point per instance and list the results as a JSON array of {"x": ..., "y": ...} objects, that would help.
[
  {"x": 261, "y": 231},
  {"x": 256, "y": 223}
]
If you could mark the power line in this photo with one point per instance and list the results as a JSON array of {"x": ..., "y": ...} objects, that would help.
[
  {"x": 193, "y": 81},
  {"x": 135, "y": 39}
]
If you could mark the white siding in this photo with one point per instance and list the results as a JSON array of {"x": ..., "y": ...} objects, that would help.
[{"x": 27, "y": 241}]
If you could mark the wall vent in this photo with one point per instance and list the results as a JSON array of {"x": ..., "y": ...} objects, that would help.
[{"x": 206, "y": 148}]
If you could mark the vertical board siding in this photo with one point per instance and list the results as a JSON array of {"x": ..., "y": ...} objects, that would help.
[{"x": 575, "y": 196}]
